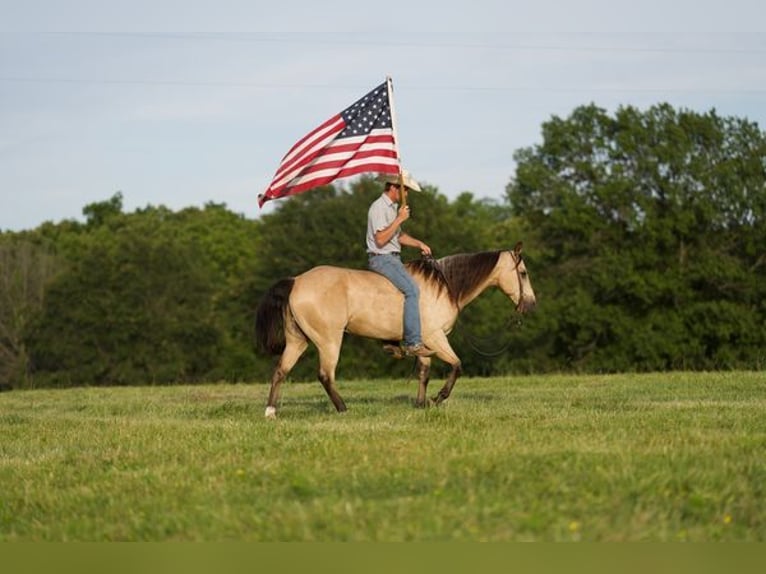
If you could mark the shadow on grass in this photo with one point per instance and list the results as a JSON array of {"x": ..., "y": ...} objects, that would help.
[{"x": 318, "y": 405}]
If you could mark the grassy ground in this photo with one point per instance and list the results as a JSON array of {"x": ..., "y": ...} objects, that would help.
[{"x": 663, "y": 457}]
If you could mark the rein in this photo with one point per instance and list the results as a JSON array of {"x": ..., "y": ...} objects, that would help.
[{"x": 474, "y": 341}]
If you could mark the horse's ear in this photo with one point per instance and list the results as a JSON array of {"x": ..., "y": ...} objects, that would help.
[{"x": 517, "y": 248}]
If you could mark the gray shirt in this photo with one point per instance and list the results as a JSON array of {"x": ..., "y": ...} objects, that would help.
[{"x": 382, "y": 213}]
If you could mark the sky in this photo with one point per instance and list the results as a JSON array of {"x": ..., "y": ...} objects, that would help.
[{"x": 181, "y": 103}]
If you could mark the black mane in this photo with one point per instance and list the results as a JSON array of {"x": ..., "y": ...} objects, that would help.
[{"x": 458, "y": 274}]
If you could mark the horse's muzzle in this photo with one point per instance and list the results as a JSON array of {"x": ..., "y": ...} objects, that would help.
[{"x": 526, "y": 304}]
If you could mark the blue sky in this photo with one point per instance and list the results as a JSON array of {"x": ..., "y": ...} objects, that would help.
[{"x": 179, "y": 103}]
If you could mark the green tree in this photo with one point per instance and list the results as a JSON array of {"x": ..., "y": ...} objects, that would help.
[
  {"x": 229, "y": 244},
  {"x": 650, "y": 229},
  {"x": 100, "y": 212},
  {"x": 26, "y": 269},
  {"x": 217, "y": 247},
  {"x": 135, "y": 308}
]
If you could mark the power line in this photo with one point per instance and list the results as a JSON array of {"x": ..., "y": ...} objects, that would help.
[
  {"x": 429, "y": 87},
  {"x": 335, "y": 39}
]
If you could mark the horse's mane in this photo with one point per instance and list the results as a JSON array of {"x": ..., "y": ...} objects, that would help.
[{"x": 458, "y": 274}]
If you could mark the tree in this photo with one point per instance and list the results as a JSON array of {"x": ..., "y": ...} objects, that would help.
[
  {"x": 650, "y": 227},
  {"x": 99, "y": 213},
  {"x": 26, "y": 269},
  {"x": 230, "y": 245},
  {"x": 135, "y": 308}
]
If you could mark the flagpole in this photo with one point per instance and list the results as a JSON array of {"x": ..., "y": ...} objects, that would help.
[{"x": 402, "y": 189}]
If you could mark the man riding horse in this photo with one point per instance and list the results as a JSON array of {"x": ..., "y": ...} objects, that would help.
[{"x": 384, "y": 240}]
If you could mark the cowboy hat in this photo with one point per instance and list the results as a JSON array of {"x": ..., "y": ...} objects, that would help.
[{"x": 409, "y": 183}]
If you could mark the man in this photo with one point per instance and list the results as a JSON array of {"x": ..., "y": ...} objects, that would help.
[{"x": 384, "y": 241}]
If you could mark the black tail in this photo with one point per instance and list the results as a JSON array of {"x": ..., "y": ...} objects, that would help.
[{"x": 270, "y": 317}]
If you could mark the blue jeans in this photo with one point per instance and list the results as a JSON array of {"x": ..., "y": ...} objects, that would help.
[{"x": 391, "y": 267}]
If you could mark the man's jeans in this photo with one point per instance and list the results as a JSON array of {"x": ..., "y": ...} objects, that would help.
[{"x": 391, "y": 267}]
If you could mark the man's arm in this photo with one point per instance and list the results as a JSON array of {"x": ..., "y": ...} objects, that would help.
[
  {"x": 383, "y": 236},
  {"x": 410, "y": 241}
]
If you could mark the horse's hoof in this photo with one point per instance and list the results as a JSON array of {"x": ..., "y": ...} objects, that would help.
[{"x": 271, "y": 413}]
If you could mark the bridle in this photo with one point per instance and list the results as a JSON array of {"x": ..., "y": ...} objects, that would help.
[
  {"x": 518, "y": 260},
  {"x": 476, "y": 342}
]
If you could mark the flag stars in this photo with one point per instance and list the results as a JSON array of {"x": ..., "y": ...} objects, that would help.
[{"x": 369, "y": 113}]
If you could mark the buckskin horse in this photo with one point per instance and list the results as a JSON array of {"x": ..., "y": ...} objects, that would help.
[{"x": 324, "y": 302}]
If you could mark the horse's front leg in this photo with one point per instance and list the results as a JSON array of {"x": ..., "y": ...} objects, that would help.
[
  {"x": 424, "y": 370},
  {"x": 445, "y": 391},
  {"x": 439, "y": 343}
]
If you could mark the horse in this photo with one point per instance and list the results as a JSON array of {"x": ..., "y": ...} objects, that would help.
[{"x": 325, "y": 302}]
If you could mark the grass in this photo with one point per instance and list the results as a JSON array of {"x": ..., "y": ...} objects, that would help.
[{"x": 656, "y": 457}]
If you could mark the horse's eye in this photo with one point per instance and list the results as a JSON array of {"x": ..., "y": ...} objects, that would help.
[{"x": 523, "y": 274}]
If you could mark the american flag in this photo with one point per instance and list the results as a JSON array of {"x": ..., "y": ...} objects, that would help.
[{"x": 357, "y": 140}]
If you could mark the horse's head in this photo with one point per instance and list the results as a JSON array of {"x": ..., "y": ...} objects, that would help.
[{"x": 514, "y": 280}]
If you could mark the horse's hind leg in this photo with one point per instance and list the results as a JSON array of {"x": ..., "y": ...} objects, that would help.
[
  {"x": 295, "y": 345},
  {"x": 424, "y": 370},
  {"x": 329, "y": 351}
]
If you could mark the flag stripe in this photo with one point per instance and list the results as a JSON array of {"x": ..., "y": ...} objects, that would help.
[
  {"x": 334, "y": 159},
  {"x": 318, "y": 141},
  {"x": 334, "y": 124},
  {"x": 381, "y": 142},
  {"x": 332, "y": 175},
  {"x": 318, "y": 171},
  {"x": 336, "y": 169},
  {"x": 324, "y": 168}
]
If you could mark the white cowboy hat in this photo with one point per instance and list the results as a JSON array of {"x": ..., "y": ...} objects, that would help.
[{"x": 409, "y": 183}]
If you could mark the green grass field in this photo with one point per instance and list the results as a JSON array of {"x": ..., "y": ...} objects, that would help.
[{"x": 655, "y": 457}]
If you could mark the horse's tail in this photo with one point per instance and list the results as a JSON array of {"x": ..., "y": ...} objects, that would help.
[{"x": 270, "y": 317}]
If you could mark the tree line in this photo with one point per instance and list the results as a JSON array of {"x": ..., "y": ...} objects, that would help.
[{"x": 644, "y": 236}]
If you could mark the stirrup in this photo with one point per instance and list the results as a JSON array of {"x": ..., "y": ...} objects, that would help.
[
  {"x": 419, "y": 350},
  {"x": 394, "y": 350}
]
